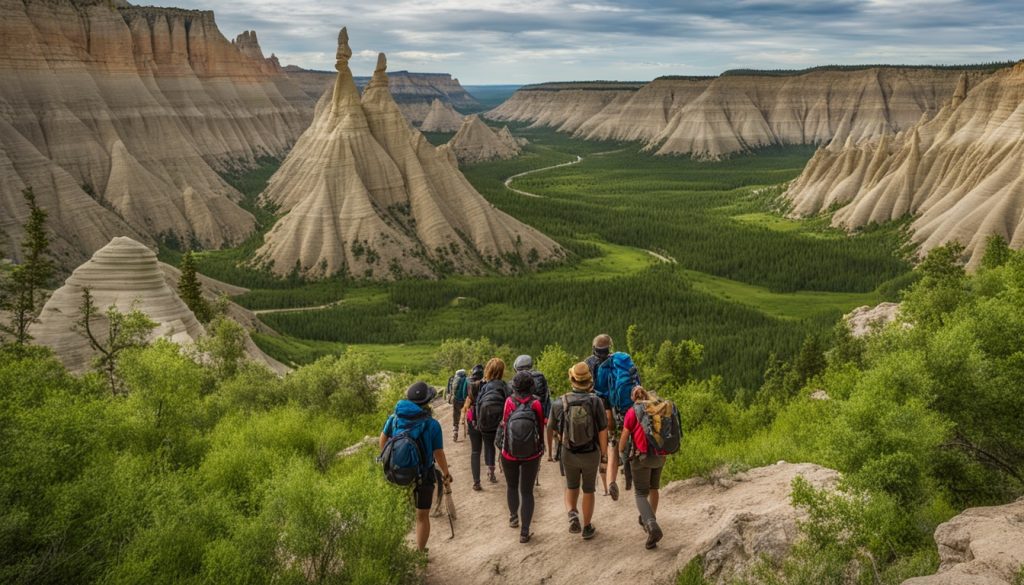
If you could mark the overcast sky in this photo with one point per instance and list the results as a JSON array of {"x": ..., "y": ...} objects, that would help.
[{"x": 525, "y": 41}]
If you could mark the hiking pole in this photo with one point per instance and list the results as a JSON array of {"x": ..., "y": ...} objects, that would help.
[{"x": 449, "y": 507}]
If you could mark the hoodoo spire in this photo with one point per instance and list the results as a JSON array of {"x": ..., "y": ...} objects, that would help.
[{"x": 345, "y": 92}]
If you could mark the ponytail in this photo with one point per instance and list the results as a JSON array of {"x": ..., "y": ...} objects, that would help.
[{"x": 640, "y": 394}]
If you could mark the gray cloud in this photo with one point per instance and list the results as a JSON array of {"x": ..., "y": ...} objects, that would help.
[{"x": 523, "y": 41}]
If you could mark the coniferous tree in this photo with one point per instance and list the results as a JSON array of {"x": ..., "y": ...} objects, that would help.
[
  {"x": 190, "y": 290},
  {"x": 23, "y": 289}
]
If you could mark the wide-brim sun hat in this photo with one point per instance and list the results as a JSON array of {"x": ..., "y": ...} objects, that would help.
[
  {"x": 420, "y": 393},
  {"x": 580, "y": 378}
]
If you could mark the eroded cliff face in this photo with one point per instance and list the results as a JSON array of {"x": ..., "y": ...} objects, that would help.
[
  {"x": 959, "y": 171},
  {"x": 413, "y": 92},
  {"x": 120, "y": 118},
  {"x": 365, "y": 194},
  {"x": 715, "y": 117}
]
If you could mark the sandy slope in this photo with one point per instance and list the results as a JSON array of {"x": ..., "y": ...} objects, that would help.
[{"x": 727, "y": 522}]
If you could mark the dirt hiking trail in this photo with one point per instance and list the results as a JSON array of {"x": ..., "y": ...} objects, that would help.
[{"x": 697, "y": 517}]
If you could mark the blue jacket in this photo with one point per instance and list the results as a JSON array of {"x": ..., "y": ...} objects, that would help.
[{"x": 404, "y": 418}]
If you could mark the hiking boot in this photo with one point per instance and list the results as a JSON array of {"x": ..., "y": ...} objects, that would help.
[
  {"x": 589, "y": 531},
  {"x": 574, "y": 523},
  {"x": 613, "y": 491},
  {"x": 491, "y": 478},
  {"x": 653, "y": 534},
  {"x": 513, "y": 522},
  {"x": 455, "y": 437},
  {"x": 524, "y": 538},
  {"x": 477, "y": 488}
]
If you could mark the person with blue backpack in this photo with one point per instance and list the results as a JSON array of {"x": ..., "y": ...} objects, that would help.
[
  {"x": 456, "y": 393},
  {"x": 412, "y": 453},
  {"x": 651, "y": 429},
  {"x": 615, "y": 376},
  {"x": 520, "y": 438}
]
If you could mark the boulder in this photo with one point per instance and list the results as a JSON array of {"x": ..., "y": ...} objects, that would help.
[{"x": 981, "y": 546}]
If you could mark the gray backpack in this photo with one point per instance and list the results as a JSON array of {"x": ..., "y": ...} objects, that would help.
[
  {"x": 522, "y": 432},
  {"x": 578, "y": 428}
]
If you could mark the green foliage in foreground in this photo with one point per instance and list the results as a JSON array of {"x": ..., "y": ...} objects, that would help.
[
  {"x": 922, "y": 418},
  {"x": 194, "y": 476}
]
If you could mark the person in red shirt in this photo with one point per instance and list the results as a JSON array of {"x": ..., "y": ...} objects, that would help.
[
  {"x": 521, "y": 450},
  {"x": 647, "y": 464}
]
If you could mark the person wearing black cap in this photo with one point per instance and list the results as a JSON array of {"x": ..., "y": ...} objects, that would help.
[{"x": 412, "y": 411}]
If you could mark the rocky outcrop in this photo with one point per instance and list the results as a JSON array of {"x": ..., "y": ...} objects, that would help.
[
  {"x": 121, "y": 118},
  {"x": 957, "y": 171},
  {"x": 365, "y": 194},
  {"x": 714, "y": 117},
  {"x": 981, "y": 546},
  {"x": 862, "y": 321},
  {"x": 441, "y": 118},
  {"x": 414, "y": 92},
  {"x": 124, "y": 274},
  {"x": 477, "y": 142}
]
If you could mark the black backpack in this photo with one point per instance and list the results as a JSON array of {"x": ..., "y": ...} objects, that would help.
[
  {"x": 490, "y": 406},
  {"x": 522, "y": 432},
  {"x": 540, "y": 390},
  {"x": 403, "y": 457}
]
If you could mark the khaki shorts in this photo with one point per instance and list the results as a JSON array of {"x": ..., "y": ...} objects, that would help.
[{"x": 581, "y": 468}]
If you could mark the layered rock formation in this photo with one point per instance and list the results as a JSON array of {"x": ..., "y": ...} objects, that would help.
[
  {"x": 477, "y": 142},
  {"x": 981, "y": 546},
  {"x": 563, "y": 106},
  {"x": 365, "y": 194},
  {"x": 127, "y": 275},
  {"x": 414, "y": 92},
  {"x": 120, "y": 118},
  {"x": 441, "y": 118},
  {"x": 958, "y": 172},
  {"x": 714, "y": 117}
]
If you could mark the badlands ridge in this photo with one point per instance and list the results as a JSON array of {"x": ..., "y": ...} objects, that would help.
[
  {"x": 711, "y": 117},
  {"x": 958, "y": 172}
]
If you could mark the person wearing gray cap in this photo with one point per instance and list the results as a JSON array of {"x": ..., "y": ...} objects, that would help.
[
  {"x": 413, "y": 416},
  {"x": 524, "y": 363}
]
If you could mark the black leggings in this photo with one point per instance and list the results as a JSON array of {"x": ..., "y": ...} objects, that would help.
[
  {"x": 478, "y": 441},
  {"x": 475, "y": 442},
  {"x": 520, "y": 477}
]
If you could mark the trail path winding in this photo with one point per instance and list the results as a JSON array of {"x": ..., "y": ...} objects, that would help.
[
  {"x": 297, "y": 309},
  {"x": 579, "y": 159},
  {"x": 486, "y": 550},
  {"x": 508, "y": 181}
]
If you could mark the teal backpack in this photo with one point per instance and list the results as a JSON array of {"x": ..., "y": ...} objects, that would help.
[{"x": 616, "y": 378}]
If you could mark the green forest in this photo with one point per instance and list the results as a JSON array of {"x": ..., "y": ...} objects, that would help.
[
  {"x": 205, "y": 468},
  {"x": 743, "y": 280}
]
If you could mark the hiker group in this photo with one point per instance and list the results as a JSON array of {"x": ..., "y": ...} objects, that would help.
[{"x": 607, "y": 419}]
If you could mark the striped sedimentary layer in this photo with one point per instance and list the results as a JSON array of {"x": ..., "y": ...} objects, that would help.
[
  {"x": 957, "y": 172},
  {"x": 714, "y": 117},
  {"x": 119, "y": 118},
  {"x": 365, "y": 194}
]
